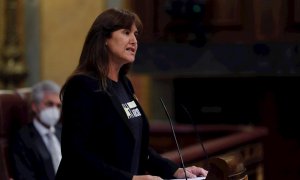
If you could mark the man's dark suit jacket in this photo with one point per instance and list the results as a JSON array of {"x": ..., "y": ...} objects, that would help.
[
  {"x": 31, "y": 159},
  {"x": 97, "y": 140}
]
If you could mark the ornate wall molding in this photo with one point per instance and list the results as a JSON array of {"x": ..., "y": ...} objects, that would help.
[{"x": 13, "y": 70}]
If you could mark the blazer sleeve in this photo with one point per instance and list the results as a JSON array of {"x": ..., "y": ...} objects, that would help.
[{"x": 160, "y": 165}]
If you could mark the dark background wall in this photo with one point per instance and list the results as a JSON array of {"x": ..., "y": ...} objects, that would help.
[{"x": 232, "y": 62}]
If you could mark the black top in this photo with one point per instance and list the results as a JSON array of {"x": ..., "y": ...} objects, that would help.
[{"x": 134, "y": 119}]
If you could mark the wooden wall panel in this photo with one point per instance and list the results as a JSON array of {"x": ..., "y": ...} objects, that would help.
[{"x": 224, "y": 12}]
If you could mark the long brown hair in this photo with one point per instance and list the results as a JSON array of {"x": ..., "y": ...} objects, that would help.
[{"x": 94, "y": 56}]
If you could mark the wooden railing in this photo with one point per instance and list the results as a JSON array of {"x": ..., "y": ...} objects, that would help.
[{"x": 221, "y": 142}]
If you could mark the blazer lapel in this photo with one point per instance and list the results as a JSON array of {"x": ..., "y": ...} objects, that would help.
[{"x": 44, "y": 153}]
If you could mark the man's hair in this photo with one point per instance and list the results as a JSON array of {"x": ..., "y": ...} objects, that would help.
[{"x": 39, "y": 90}]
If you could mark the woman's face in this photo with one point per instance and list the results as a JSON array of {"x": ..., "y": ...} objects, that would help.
[{"x": 122, "y": 45}]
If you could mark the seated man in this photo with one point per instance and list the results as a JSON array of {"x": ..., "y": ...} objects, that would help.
[{"x": 36, "y": 148}]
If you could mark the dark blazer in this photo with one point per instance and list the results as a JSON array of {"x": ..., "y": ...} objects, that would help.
[
  {"x": 97, "y": 141},
  {"x": 31, "y": 159}
]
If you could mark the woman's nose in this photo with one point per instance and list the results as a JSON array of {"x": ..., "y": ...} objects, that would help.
[{"x": 133, "y": 39}]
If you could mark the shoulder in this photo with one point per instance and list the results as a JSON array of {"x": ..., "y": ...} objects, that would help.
[
  {"x": 26, "y": 141},
  {"x": 83, "y": 82},
  {"x": 26, "y": 129},
  {"x": 26, "y": 132}
]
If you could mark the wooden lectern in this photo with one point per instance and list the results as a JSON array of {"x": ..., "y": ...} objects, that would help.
[{"x": 229, "y": 167}]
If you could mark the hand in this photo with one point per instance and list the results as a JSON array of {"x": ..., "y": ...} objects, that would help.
[
  {"x": 191, "y": 172},
  {"x": 146, "y": 177}
]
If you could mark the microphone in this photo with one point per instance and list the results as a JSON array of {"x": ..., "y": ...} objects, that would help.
[
  {"x": 174, "y": 135},
  {"x": 196, "y": 132}
]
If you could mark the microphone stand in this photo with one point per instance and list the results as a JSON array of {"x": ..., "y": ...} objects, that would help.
[
  {"x": 174, "y": 135},
  {"x": 197, "y": 133}
]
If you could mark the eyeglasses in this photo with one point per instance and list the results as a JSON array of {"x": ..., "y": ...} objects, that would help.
[{"x": 51, "y": 104}]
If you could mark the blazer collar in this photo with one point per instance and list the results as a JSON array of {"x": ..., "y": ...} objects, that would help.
[{"x": 44, "y": 153}]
